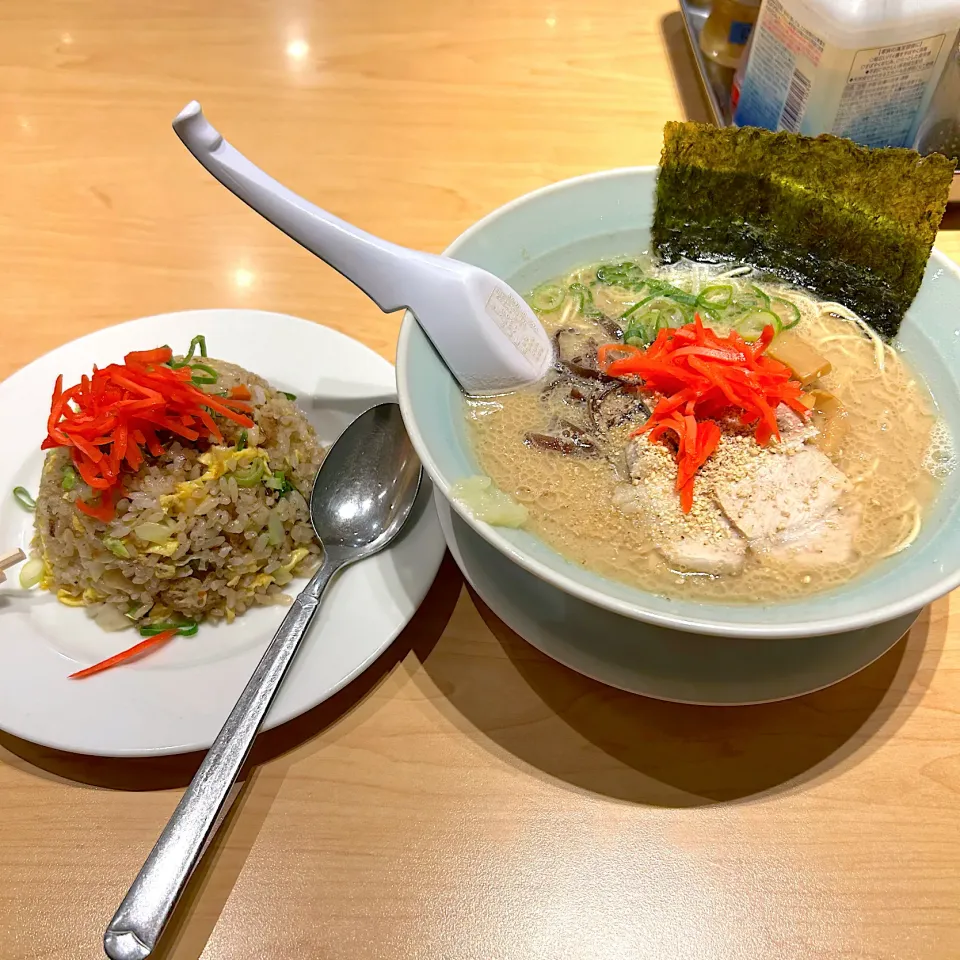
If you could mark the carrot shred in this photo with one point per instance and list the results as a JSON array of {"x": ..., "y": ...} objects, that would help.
[
  {"x": 113, "y": 418},
  {"x": 125, "y": 655},
  {"x": 158, "y": 355},
  {"x": 702, "y": 376}
]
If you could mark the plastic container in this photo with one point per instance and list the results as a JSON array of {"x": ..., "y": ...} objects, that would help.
[
  {"x": 737, "y": 83},
  {"x": 863, "y": 69},
  {"x": 940, "y": 131},
  {"x": 727, "y": 30}
]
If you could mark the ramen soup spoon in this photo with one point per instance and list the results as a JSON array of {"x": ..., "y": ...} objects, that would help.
[
  {"x": 485, "y": 332},
  {"x": 361, "y": 499}
]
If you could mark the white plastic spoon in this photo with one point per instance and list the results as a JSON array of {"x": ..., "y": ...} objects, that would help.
[{"x": 488, "y": 336}]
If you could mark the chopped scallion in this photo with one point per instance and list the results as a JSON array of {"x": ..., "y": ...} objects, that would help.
[
  {"x": 249, "y": 476},
  {"x": 242, "y": 440},
  {"x": 198, "y": 341},
  {"x": 279, "y": 482},
  {"x": 208, "y": 374},
  {"x": 586, "y": 307},
  {"x": 31, "y": 573},
  {"x": 547, "y": 298},
  {"x": 662, "y": 288},
  {"x": 69, "y": 480},
  {"x": 185, "y": 628},
  {"x": 117, "y": 547},
  {"x": 627, "y": 274},
  {"x": 719, "y": 295},
  {"x": 789, "y": 313},
  {"x": 289, "y": 396},
  {"x": 275, "y": 531},
  {"x": 22, "y": 496},
  {"x": 751, "y": 325}
]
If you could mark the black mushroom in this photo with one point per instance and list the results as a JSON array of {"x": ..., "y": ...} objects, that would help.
[
  {"x": 566, "y": 438},
  {"x": 567, "y": 390},
  {"x": 610, "y": 327},
  {"x": 577, "y": 352},
  {"x": 615, "y": 404}
]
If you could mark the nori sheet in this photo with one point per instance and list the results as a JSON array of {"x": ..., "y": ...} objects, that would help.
[{"x": 853, "y": 224}]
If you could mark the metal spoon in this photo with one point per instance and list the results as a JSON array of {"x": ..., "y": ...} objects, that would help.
[
  {"x": 487, "y": 335},
  {"x": 361, "y": 498}
]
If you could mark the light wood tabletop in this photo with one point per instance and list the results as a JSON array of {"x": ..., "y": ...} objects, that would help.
[{"x": 466, "y": 797}]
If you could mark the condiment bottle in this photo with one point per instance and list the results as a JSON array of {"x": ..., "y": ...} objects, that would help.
[
  {"x": 863, "y": 69},
  {"x": 727, "y": 30},
  {"x": 940, "y": 130}
]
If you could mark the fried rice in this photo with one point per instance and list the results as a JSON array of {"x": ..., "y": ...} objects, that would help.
[{"x": 204, "y": 531}]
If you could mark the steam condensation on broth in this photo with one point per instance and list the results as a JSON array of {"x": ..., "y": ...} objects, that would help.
[{"x": 563, "y": 457}]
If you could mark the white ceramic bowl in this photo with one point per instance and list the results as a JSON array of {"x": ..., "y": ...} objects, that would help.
[{"x": 551, "y": 230}]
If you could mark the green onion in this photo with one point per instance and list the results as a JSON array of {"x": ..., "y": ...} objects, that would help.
[
  {"x": 212, "y": 375},
  {"x": 626, "y": 274},
  {"x": 137, "y": 610},
  {"x": 718, "y": 296},
  {"x": 249, "y": 476},
  {"x": 547, "y": 298},
  {"x": 153, "y": 532},
  {"x": 242, "y": 440},
  {"x": 289, "y": 396},
  {"x": 275, "y": 530},
  {"x": 198, "y": 341},
  {"x": 662, "y": 288},
  {"x": 69, "y": 480},
  {"x": 652, "y": 315},
  {"x": 22, "y": 496},
  {"x": 789, "y": 313},
  {"x": 117, "y": 547},
  {"x": 185, "y": 628},
  {"x": 31, "y": 573},
  {"x": 751, "y": 325},
  {"x": 746, "y": 300},
  {"x": 279, "y": 482},
  {"x": 632, "y": 310},
  {"x": 585, "y": 304}
]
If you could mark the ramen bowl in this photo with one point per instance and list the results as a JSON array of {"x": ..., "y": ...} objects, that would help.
[{"x": 549, "y": 231}]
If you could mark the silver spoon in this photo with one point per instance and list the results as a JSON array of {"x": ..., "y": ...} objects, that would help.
[{"x": 361, "y": 499}]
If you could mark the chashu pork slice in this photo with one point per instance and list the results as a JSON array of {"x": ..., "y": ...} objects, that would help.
[
  {"x": 829, "y": 540},
  {"x": 702, "y": 541},
  {"x": 793, "y": 504}
]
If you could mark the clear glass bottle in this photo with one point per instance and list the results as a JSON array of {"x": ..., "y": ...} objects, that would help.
[{"x": 727, "y": 30}]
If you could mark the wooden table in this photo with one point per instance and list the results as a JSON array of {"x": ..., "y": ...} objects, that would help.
[{"x": 466, "y": 798}]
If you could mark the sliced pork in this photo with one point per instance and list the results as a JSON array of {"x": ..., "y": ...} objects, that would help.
[{"x": 702, "y": 541}]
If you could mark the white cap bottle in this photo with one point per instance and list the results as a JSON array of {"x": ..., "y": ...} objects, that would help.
[{"x": 863, "y": 69}]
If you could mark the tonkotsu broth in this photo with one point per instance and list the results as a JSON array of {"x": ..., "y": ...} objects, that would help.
[{"x": 893, "y": 450}]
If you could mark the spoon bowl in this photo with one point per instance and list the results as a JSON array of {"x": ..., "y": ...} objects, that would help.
[
  {"x": 361, "y": 498},
  {"x": 362, "y": 493}
]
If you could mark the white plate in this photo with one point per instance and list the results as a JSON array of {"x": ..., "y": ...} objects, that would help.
[
  {"x": 650, "y": 660},
  {"x": 177, "y": 699}
]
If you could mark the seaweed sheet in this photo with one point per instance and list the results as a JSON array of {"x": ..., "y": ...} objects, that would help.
[{"x": 851, "y": 223}]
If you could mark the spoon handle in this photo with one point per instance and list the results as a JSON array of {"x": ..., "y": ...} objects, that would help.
[
  {"x": 135, "y": 928},
  {"x": 384, "y": 271},
  {"x": 487, "y": 334}
]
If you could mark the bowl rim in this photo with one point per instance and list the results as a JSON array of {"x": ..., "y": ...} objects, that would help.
[{"x": 635, "y": 611}]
